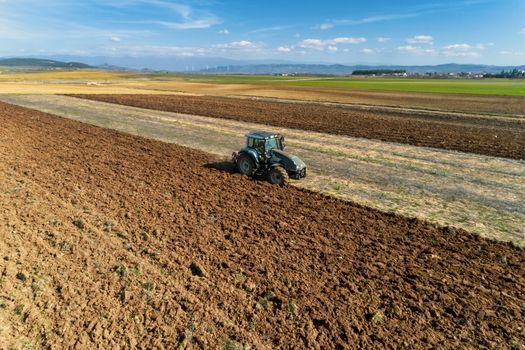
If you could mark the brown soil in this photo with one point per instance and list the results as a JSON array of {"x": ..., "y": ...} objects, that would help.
[
  {"x": 117, "y": 240},
  {"x": 504, "y": 137},
  {"x": 492, "y": 104}
]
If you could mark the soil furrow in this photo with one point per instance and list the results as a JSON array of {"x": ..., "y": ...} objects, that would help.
[{"x": 140, "y": 242}]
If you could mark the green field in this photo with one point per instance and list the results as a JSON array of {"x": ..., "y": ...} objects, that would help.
[
  {"x": 489, "y": 86},
  {"x": 463, "y": 86},
  {"x": 492, "y": 87}
]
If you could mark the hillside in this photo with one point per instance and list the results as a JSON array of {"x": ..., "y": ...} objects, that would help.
[{"x": 39, "y": 63}]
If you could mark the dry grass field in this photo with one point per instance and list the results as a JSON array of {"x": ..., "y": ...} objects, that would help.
[{"x": 62, "y": 76}]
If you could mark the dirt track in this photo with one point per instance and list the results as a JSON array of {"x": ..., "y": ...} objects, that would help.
[
  {"x": 503, "y": 137},
  {"x": 104, "y": 227}
]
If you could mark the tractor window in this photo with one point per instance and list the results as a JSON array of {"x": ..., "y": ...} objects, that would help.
[
  {"x": 258, "y": 145},
  {"x": 272, "y": 144}
]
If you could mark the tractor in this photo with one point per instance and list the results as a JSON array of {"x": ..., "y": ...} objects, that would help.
[{"x": 264, "y": 156}]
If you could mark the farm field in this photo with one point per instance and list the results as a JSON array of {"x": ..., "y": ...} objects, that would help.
[
  {"x": 496, "y": 136},
  {"x": 452, "y": 86},
  {"x": 481, "y": 194},
  {"x": 63, "y": 76},
  {"x": 399, "y": 95},
  {"x": 118, "y": 240},
  {"x": 484, "y": 87},
  {"x": 470, "y": 103}
]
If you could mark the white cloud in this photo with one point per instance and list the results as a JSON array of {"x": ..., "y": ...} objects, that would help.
[
  {"x": 239, "y": 45},
  {"x": 421, "y": 39},
  {"x": 183, "y": 10},
  {"x": 408, "y": 48},
  {"x": 115, "y": 39},
  {"x": 458, "y": 47},
  {"x": 368, "y": 51},
  {"x": 365, "y": 20},
  {"x": 326, "y": 26},
  {"x": 345, "y": 40},
  {"x": 461, "y": 54},
  {"x": 418, "y": 10},
  {"x": 203, "y": 23},
  {"x": 318, "y": 44},
  {"x": 462, "y": 50},
  {"x": 416, "y": 50},
  {"x": 452, "y": 50},
  {"x": 332, "y": 48},
  {"x": 284, "y": 49},
  {"x": 484, "y": 46},
  {"x": 269, "y": 29},
  {"x": 224, "y": 31},
  {"x": 512, "y": 53},
  {"x": 189, "y": 17},
  {"x": 383, "y": 40}
]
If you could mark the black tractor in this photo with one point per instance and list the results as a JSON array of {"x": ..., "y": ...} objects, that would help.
[{"x": 264, "y": 156}]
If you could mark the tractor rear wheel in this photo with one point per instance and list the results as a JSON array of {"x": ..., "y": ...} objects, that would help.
[
  {"x": 245, "y": 164},
  {"x": 278, "y": 176}
]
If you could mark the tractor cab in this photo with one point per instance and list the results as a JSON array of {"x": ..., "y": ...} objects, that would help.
[{"x": 264, "y": 142}]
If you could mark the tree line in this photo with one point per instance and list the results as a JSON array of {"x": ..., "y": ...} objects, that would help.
[
  {"x": 378, "y": 72},
  {"x": 511, "y": 74}
]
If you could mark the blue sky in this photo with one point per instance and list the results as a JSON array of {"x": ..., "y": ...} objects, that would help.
[{"x": 347, "y": 32}]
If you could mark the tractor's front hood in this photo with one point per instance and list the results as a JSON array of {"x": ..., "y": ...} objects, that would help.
[{"x": 290, "y": 162}]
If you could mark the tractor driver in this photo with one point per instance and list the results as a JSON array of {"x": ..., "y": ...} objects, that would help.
[{"x": 259, "y": 145}]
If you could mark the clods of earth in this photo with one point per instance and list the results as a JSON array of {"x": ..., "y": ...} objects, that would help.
[{"x": 118, "y": 241}]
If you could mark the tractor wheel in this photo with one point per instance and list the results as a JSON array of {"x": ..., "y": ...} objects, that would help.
[
  {"x": 278, "y": 176},
  {"x": 245, "y": 164}
]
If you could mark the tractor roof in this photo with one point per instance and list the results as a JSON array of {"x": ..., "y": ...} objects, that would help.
[{"x": 262, "y": 135}]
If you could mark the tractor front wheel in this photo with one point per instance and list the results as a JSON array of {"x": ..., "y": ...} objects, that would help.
[
  {"x": 245, "y": 164},
  {"x": 278, "y": 176}
]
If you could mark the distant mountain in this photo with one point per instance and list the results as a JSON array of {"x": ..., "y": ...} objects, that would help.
[
  {"x": 39, "y": 63},
  {"x": 219, "y": 65},
  {"x": 158, "y": 63},
  {"x": 338, "y": 69}
]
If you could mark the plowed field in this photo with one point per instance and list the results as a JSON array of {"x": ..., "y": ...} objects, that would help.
[
  {"x": 495, "y": 136},
  {"x": 121, "y": 241}
]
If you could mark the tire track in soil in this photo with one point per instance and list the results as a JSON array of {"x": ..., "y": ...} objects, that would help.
[{"x": 282, "y": 267}]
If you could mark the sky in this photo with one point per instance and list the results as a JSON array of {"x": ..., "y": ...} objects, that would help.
[{"x": 343, "y": 31}]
